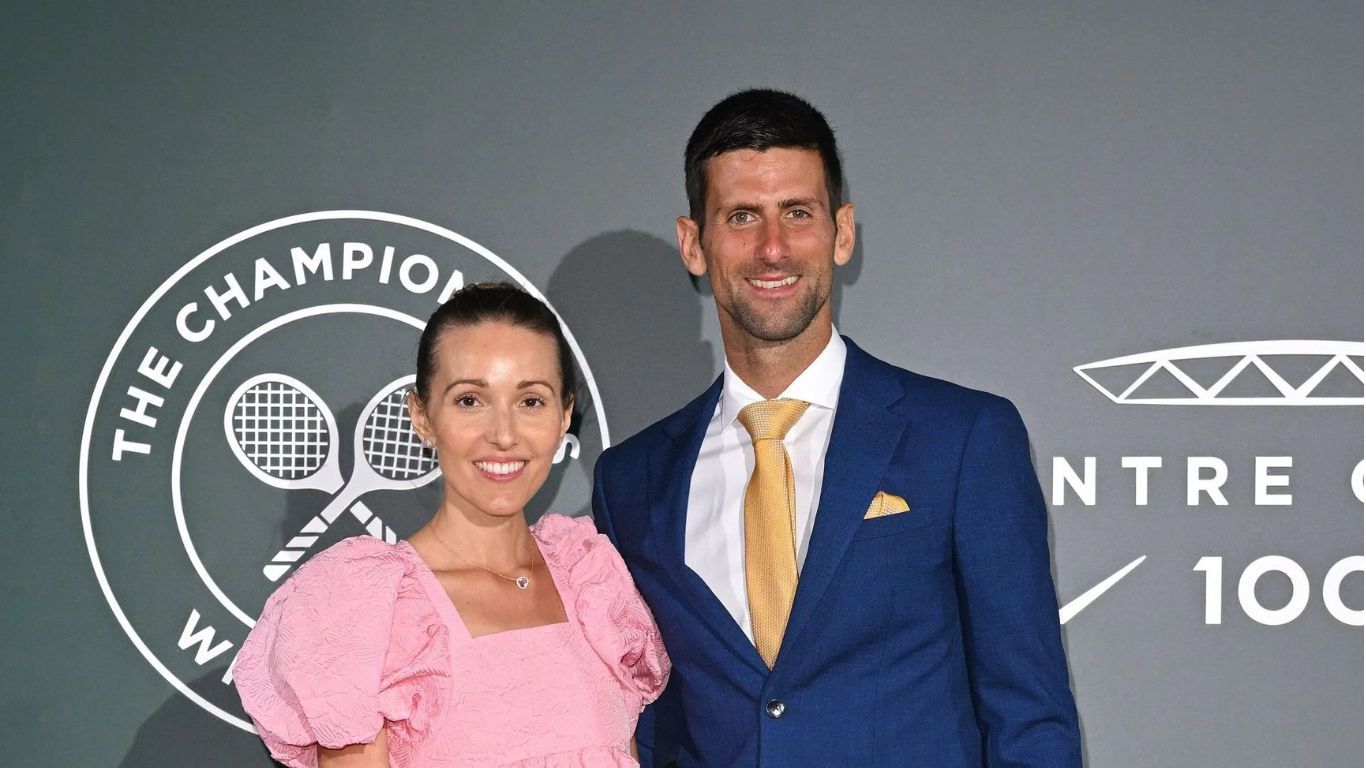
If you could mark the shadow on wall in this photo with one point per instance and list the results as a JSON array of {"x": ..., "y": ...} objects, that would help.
[
  {"x": 627, "y": 297},
  {"x": 179, "y": 733}
]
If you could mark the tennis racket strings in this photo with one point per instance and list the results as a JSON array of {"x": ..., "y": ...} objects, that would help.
[
  {"x": 390, "y": 444},
  {"x": 285, "y": 435},
  {"x": 389, "y": 456},
  {"x": 281, "y": 429}
]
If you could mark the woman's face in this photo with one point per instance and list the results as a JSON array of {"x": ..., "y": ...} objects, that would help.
[{"x": 495, "y": 413}]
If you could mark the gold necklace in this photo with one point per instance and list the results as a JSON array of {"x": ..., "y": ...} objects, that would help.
[{"x": 522, "y": 582}]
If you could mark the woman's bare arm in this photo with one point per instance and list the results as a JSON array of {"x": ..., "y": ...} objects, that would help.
[{"x": 373, "y": 755}]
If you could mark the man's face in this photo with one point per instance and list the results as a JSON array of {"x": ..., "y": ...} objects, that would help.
[{"x": 768, "y": 242}]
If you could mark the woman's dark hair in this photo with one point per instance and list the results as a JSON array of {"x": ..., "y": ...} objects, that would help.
[{"x": 493, "y": 303}]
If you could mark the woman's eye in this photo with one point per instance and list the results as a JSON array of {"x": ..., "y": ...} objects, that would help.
[
  {"x": 467, "y": 401},
  {"x": 533, "y": 402}
]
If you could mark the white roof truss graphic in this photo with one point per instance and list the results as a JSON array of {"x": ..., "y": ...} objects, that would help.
[{"x": 1335, "y": 355}]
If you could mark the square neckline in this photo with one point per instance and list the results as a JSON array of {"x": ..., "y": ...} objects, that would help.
[{"x": 451, "y": 614}]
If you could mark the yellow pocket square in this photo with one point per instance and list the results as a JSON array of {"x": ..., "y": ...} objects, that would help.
[{"x": 886, "y": 504}]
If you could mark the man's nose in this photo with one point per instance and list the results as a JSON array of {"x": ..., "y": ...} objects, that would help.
[{"x": 772, "y": 245}]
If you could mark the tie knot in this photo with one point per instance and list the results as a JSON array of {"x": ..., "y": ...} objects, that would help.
[{"x": 771, "y": 419}]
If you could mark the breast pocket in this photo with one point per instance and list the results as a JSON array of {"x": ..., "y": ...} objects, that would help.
[{"x": 915, "y": 518}]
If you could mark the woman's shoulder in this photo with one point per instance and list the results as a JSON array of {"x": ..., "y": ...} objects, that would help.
[
  {"x": 614, "y": 619},
  {"x": 557, "y": 524},
  {"x": 588, "y": 564},
  {"x": 562, "y": 530},
  {"x": 351, "y": 641},
  {"x": 359, "y": 550},
  {"x": 355, "y": 574},
  {"x": 572, "y": 542}
]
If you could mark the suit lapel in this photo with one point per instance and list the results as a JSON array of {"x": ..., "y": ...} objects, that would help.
[
  {"x": 864, "y": 437},
  {"x": 670, "y": 479}
]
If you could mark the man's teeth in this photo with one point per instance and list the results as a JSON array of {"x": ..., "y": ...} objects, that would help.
[
  {"x": 774, "y": 283},
  {"x": 500, "y": 467}
]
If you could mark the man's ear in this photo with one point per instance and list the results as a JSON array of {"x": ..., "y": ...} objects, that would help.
[
  {"x": 690, "y": 246},
  {"x": 845, "y": 233}
]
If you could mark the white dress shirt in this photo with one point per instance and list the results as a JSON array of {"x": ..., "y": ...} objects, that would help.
[{"x": 714, "y": 547}]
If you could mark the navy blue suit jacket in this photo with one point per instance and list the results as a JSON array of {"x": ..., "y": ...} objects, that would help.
[{"x": 925, "y": 638}]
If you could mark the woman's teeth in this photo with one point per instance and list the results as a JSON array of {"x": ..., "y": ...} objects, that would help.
[{"x": 499, "y": 467}]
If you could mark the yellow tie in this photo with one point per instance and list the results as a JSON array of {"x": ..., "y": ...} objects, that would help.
[{"x": 770, "y": 522}]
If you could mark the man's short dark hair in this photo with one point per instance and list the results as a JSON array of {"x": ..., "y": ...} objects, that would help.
[{"x": 758, "y": 119}]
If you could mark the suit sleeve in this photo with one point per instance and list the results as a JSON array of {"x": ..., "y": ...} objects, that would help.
[
  {"x": 601, "y": 518},
  {"x": 1007, "y": 603},
  {"x": 645, "y": 726}
]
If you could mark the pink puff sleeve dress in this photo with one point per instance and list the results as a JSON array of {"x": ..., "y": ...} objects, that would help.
[{"x": 363, "y": 635}]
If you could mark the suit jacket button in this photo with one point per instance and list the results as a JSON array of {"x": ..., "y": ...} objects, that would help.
[{"x": 775, "y": 708}]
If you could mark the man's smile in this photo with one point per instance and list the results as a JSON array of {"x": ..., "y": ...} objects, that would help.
[{"x": 773, "y": 284}]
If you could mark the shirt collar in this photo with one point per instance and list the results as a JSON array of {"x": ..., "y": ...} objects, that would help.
[{"x": 819, "y": 384}]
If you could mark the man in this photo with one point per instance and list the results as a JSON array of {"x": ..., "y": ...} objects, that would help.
[{"x": 848, "y": 561}]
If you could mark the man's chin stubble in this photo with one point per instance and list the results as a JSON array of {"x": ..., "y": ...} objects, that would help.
[{"x": 754, "y": 323}]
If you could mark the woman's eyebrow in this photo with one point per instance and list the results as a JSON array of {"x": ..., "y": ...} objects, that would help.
[{"x": 469, "y": 382}]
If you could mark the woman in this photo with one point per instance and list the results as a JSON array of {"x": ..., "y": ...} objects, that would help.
[{"x": 479, "y": 641}]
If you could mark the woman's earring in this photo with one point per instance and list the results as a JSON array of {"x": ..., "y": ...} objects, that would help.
[
  {"x": 569, "y": 444},
  {"x": 428, "y": 443}
]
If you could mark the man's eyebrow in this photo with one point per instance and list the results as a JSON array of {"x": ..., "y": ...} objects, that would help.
[
  {"x": 470, "y": 382},
  {"x": 736, "y": 205},
  {"x": 730, "y": 206}
]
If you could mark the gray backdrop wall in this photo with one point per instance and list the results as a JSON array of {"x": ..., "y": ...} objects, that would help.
[{"x": 1039, "y": 185}]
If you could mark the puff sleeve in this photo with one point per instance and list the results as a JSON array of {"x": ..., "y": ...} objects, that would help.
[
  {"x": 349, "y": 643},
  {"x": 615, "y": 620}
]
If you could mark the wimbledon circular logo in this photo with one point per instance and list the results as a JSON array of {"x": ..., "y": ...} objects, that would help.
[{"x": 251, "y": 414}]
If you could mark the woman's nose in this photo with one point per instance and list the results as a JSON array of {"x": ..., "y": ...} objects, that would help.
[{"x": 502, "y": 429}]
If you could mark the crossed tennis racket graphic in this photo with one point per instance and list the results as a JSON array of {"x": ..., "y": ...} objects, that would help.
[{"x": 285, "y": 436}]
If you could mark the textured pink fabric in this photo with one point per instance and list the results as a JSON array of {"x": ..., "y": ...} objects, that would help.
[{"x": 364, "y": 635}]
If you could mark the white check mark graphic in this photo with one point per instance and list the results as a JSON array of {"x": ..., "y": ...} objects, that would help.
[{"x": 1067, "y": 612}]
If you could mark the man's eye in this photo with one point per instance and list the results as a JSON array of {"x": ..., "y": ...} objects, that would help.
[
  {"x": 741, "y": 217},
  {"x": 799, "y": 213}
]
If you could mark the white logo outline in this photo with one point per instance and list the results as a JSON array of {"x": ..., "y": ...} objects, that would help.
[{"x": 117, "y": 350}]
